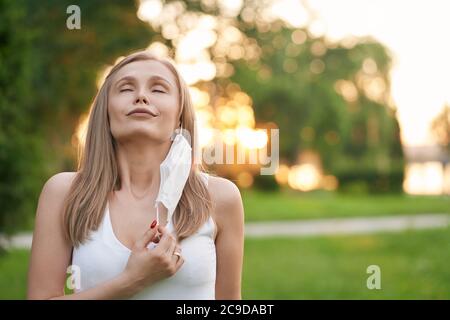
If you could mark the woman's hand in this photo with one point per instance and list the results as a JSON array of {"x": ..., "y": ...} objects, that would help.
[{"x": 147, "y": 266}]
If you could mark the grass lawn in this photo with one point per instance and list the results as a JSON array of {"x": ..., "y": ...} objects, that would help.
[
  {"x": 13, "y": 274},
  {"x": 413, "y": 265},
  {"x": 263, "y": 206}
]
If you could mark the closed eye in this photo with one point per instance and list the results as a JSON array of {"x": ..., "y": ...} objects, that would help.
[{"x": 129, "y": 89}]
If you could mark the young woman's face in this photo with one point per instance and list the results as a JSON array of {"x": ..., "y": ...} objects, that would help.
[{"x": 143, "y": 101}]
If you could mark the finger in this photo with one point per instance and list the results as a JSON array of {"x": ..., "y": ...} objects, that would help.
[
  {"x": 171, "y": 249},
  {"x": 156, "y": 238},
  {"x": 179, "y": 263},
  {"x": 177, "y": 250},
  {"x": 165, "y": 242},
  {"x": 145, "y": 239},
  {"x": 162, "y": 229}
]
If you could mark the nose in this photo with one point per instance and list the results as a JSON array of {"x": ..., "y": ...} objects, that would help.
[{"x": 141, "y": 99}]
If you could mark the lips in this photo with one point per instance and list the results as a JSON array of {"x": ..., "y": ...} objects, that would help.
[{"x": 142, "y": 110}]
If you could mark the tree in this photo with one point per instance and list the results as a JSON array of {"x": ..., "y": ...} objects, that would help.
[
  {"x": 48, "y": 78},
  {"x": 21, "y": 164}
]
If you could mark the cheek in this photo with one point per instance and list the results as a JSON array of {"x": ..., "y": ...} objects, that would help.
[
  {"x": 168, "y": 121},
  {"x": 114, "y": 125},
  {"x": 117, "y": 103},
  {"x": 115, "y": 113},
  {"x": 170, "y": 109}
]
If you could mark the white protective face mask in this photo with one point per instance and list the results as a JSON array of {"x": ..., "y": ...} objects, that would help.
[{"x": 174, "y": 171}]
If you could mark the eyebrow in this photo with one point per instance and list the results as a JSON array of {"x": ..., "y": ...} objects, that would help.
[{"x": 131, "y": 78}]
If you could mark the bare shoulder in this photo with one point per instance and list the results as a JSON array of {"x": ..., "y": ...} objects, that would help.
[
  {"x": 227, "y": 201},
  {"x": 56, "y": 188},
  {"x": 223, "y": 191},
  {"x": 60, "y": 182}
]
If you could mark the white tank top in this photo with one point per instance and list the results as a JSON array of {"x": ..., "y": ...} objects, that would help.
[{"x": 103, "y": 257}]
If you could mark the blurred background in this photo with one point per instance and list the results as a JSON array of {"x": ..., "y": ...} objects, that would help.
[{"x": 359, "y": 91}]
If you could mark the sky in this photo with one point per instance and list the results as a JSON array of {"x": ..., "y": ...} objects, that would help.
[{"x": 417, "y": 33}]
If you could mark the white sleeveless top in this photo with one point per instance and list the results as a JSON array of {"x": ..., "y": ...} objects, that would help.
[{"x": 104, "y": 257}]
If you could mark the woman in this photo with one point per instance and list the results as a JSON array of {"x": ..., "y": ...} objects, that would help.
[{"x": 134, "y": 172}]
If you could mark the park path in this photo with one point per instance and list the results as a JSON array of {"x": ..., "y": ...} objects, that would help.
[
  {"x": 344, "y": 226},
  {"x": 305, "y": 228}
]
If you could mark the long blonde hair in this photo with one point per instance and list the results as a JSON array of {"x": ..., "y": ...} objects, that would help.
[{"x": 98, "y": 172}]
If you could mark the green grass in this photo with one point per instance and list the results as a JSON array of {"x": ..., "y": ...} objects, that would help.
[
  {"x": 414, "y": 265},
  {"x": 263, "y": 206},
  {"x": 13, "y": 274}
]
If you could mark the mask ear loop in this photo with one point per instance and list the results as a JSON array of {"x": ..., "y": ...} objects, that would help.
[{"x": 157, "y": 213}]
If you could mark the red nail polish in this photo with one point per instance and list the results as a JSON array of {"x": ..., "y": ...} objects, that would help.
[{"x": 153, "y": 224}]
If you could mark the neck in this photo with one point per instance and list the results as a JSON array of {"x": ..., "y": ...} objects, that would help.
[{"x": 139, "y": 164}]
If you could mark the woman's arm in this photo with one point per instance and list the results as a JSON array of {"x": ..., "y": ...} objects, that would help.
[
  {"x": 229, "y": 215},
  {"x": 51, "y": 252}
]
